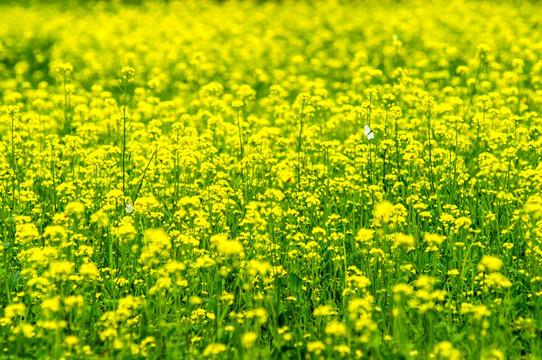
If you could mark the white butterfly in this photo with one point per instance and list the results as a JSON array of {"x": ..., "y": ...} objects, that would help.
[
  {"x": 369, "y": 132},
  {"x": 129, "y": 208}
]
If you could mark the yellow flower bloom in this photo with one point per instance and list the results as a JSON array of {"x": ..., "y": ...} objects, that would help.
[
  {"x": 226, "y": 246},
  {"x": 490, "y": 264},
  {"x": 336, "y": 328},
  {"x": 248, "y": 339}
]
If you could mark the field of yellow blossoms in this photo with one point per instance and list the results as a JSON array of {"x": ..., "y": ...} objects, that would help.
[{"x": 271, "y": 180}]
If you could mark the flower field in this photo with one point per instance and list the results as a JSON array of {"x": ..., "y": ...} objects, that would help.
[{"x": 270, "y": 180}]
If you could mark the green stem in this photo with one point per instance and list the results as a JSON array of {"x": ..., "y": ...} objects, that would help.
[
  {"x": 242, "y": 155},
  {"x": 124, "y": 140},
  {"x": 299, "y": 143},
  {"x": 430, "y": 145},
  {"x": 13, "y": 163}
]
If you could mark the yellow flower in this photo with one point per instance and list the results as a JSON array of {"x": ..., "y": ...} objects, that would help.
[
  {"x": 126, "y": 230},
  {"x": 497, "y": 280},
  {"x": 383, "y": 211},
  {"x": 27, "y": 330},
  {"x": 248, "y": 339},
  {"x": 258, "y": 267},
  {"x": 336, "y": 328},
  {"x": 237, "y": 104},
  {"x": 434, "y": 239},
  {"x": 25, "y": 233},
  {"x": 89, "y": 270},
  {"x": 71, "y": 340},
  {"x": 365, "y": 236},
  {"x": 445, "y": 350},
  {"x": 490, "y": 264},
  {"x": 60, "y": 269},
  {"x": 303, "y": 97},
  {"x": 403, "y": 240},
  {"x": 316, "y": 347},
  {"x": 493, "y": 355},
  {"x": 128, "y": 73},
  {"x": 195, "y": 300},
  {"x": 226, "y": 246},
  {"x": 358, "y": 281},
  {"x": 342, "y": 349},
  {"x": 214, "y": 349},
  {"x": 425, "y": 282},
  {"x": 324, "y": 310},
  {"x": 478, "y": 311},
  {"x": 12, "y": 110},
  {"x": 75, "y": 208},
  {"x": 55, "y": 233},
  {"x": 51, "y": 305},
  {"x": 260, "y": 314},
  {"x": 13, "y": 310},
  {"x": 403, "y": 289},
  {"x": 62, "y": 68},
  {"x": 100, "y": 219}
]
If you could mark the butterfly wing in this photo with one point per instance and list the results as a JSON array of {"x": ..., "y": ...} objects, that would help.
[{"x": 368, "y": 132}]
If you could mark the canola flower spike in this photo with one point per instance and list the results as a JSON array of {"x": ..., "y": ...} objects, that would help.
[{"x": 186, "y": 179}]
